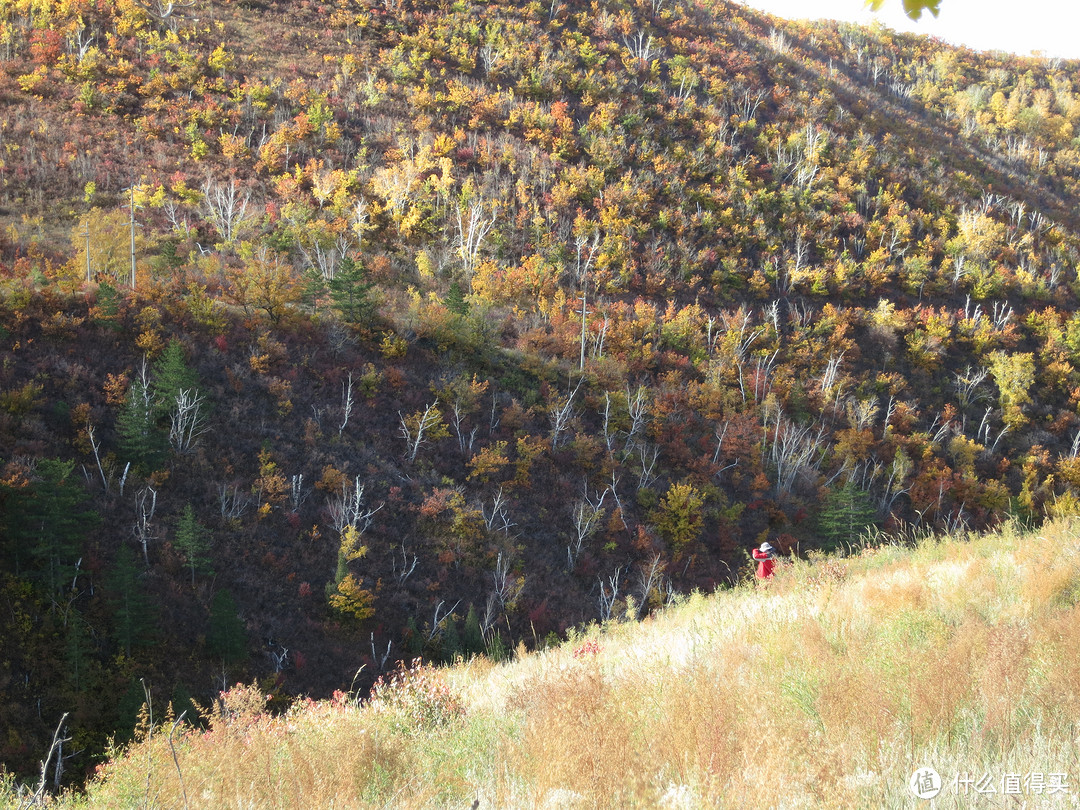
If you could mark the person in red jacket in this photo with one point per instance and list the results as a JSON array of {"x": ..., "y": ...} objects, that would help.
[{"x": 766, "y": 561}]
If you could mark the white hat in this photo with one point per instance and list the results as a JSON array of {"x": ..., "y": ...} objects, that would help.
[{"x": 766, "y": 547}]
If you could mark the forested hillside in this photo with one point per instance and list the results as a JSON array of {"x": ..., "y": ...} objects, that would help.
[
  {"x": 455, "y": 325},
  {"x": 838, "y": 681}
]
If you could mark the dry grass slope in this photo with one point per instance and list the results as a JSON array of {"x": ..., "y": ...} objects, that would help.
[{"x": 826, "y": 688}]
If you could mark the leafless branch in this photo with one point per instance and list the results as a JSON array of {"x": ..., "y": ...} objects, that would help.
[
  {"x": 145, "y": 506},
  {"x": 608, "y": 594}
]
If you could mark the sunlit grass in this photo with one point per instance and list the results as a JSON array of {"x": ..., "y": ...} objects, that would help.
[{"x": 826, "y": 687}]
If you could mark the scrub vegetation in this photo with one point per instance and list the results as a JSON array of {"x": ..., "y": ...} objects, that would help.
[
  {"x": 339, "y": 334},
  {"x": 828, "y": 686}
]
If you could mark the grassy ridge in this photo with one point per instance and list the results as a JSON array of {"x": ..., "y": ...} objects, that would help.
[{"x": 827, "y": 687}]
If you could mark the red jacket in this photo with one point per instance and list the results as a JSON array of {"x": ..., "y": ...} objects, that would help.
[{"x": 766, "y": 564}]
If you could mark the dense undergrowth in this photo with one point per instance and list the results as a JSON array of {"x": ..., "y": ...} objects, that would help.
[{"x": 827, "y": 687}]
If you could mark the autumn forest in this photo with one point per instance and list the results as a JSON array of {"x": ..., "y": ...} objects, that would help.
[{"x": 337, "y": 334}]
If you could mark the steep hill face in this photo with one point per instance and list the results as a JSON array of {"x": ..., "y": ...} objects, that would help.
[
  {"x": 831, "y": 686},
  {"x": 353, "y": 411}
]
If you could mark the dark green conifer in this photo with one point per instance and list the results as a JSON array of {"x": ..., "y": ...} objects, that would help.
[
  {"x": 193, "y": 541},
  {"x": 451, "y": 639},
  {"x": 455, "y": 300},
  {"x": 350, "y": 293},
  {"x": 171, "y": 375},
  {"x": 108, "y": 306},
  {"x": 77, "y": 649},
  {"x": 168, "y": 259},
  {"x": 414, "y": 642},
  {"x": 472, "y": 642},
  {"x": 496, "y": 648},
  {"x": 141, "y": 440},
  {"x": 315, "y": 289},
  {"x": 227, "y": 638},
  {"x": 846, "y": 513},
  {"x": 133, "y": 617},
  {"x": 47, "y": 522},
  {"x": 182, "y": 704}
]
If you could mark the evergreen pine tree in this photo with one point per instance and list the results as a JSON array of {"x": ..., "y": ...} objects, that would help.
[
  {"x": 171, "y": 375},
  {"x": 350, "y": 294},
  {"x": 314, "y": 289},
  {"x": 182, "y": 704},
  {"x": 455, "y": 300},
  {"x": 132, "y": 611},
  {"x": 451, "y": 640},
  {"x": 192, "y": 540},
  {"x": 141, "y": 440},
  {"x": 48, "y": 522},
  {"x": 472, "y": 642},
  {"x": 414, "y": 642},
  {"x": 846, "y": 513},
  {"x": 496, "y": 648},
  {"x": 76, "y": 650},
  {"x": 128, "y": 709},
  {"x": 108, "y": 306},
  {"x": 227, "y": 638},
  {"x": 168, "y": 259}
]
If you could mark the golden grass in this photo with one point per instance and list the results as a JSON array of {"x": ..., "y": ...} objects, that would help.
[{"x": 827, "y": 687}]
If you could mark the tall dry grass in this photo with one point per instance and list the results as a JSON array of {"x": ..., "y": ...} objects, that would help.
[{"x": 827, "y": 687}]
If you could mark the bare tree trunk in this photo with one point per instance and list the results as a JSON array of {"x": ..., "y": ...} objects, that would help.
[
  {"x": 225, "y": 207},
  {"x": 145, "y": 506},
  {"x": 346, "y": 405}
]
